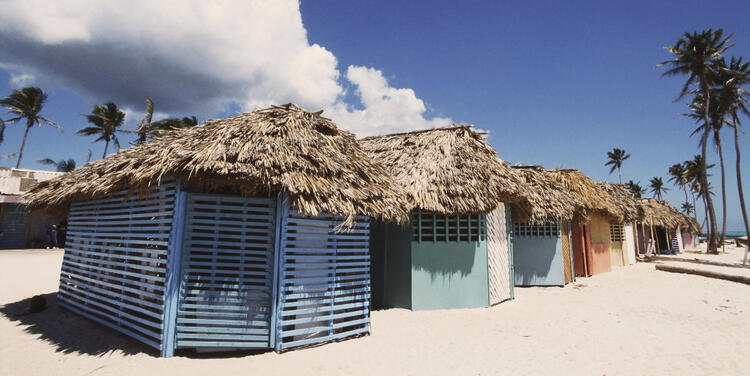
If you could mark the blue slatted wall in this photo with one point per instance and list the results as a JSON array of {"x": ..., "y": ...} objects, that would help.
[
  {"x": 226, "y": 287},
  {"x": 115, "y": 261},
  {"x": 324, "y": 280}
]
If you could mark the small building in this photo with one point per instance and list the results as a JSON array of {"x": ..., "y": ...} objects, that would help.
[
  {"x": 622, "y": 233},
  {"x": 591, "y": 234},
  {"x": 454, "y": 252},
  {"x": 20, "y": 228},
  {"x": 662, "y": 228},
  {"x": 541, "y": 231},
  {"x": 250, "y": 232}
]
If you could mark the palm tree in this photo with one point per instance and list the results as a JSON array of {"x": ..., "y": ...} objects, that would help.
[
  {"x": 693, "y": 172},
  {"x": 61, "y": 165},
  {"x": 144, "y": 128},
  {"x": 106, "y": 119},
  {"x": 635, "y": 189},
  {"x": 735, "y": 99},
  {"x": 687, "y": 208},
  {"x": 657, "y": 187},
  {"x": 26, "y": 104},
  {"x": 165, "y": 126},
  {"x": 677, "y": 177},
  {"x": 694, "y": 56},
  {"x": 2, "y": 130},
  {"x": 717, "y": 115},
  {"x": 616, "y": 157}
]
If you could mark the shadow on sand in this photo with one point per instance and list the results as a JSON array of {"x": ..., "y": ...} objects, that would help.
[{"x": 69, "y": 332}]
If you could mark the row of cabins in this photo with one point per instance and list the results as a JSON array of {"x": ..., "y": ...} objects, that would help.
[{"x": 276, "y": 229}]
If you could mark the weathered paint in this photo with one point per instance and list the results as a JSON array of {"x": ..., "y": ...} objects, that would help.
[
  {"x": 600, "y": 259},
  {"x": 449, "y": 275},
  {"x": 581, "y": 245},
  {"x": 629, "y": 244},
  {"x": 538, "y": 261},
  {"x": 688, "y": 240},
  {"x": 13, "y": 220},
  {"x": 498, "y": 263}
]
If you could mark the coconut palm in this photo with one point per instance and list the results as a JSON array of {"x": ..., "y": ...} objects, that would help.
[
  {"x": 657, "y": 187},
  {"x": 735, "y": 99},
  {"x": 165, "y": 126},
  {"x": 105, "y": 120},
  {"x": 61, "y": 165},
  {"x": 687, "y": 208},
  {"x": 26, "y": 103},
  {"x": 144, "y": 128},
  {"x": 616, "y": 157},
  {"x": 717, "y": 116},
  {"x": 694, "y": 56},
  {"x": 677, "y": 177},
  {"x": 635, "y": 189}
]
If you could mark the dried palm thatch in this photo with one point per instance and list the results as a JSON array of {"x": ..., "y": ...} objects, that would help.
[
  {"x": 450, "y": 170},
  {"x": 627, "y": 203},
  {"x": 660, "y": 213},
  {"x": 592, "y": 196},
  {"x": 546, "y": 200},
  {"x": 277, "y": 149}
]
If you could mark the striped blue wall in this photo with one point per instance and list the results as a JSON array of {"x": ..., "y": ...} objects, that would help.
[{"x": 115, "y": 262}]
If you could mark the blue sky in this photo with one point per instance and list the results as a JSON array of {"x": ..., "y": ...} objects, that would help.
[{"x": 555, "y": 83}]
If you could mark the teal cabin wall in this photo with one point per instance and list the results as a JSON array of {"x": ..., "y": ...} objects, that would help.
[
  {"x": 449, "y": 275},
  {"x": 390, "y": 250},
  {"x": 538, "y": 261}
]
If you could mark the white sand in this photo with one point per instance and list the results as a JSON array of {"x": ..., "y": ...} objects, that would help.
[{"x": 634, "y": 320}]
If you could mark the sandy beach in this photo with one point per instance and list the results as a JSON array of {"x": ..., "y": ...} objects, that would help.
[{"x": 634, "y": 320}]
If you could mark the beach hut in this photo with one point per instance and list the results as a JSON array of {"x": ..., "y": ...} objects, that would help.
[
  {"x": 591, "y": 234},
  {"x": 661, "y": 230},
  {"x": 249, "y": 232},
  {"x": 622, "y": 233},
  {"x": 454, "y": 252},
  {"x": 541, "y": 231},
  {"x": 689, "y": 231}
]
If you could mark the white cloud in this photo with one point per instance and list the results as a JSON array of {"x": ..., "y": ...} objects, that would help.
[
  {"x": 386, "y": 109},
  {"x": 195, "y": 57},
  {"x": 19, "y": 80}
]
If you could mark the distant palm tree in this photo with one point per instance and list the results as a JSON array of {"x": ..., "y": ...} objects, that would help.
[
  {"x": 694, "y": 56},
  {"x": 144, "y": 128},
  {"x": 677, "y": 175},
  {"x": 26, "y": 103},
  {"x": 687, "y": 208},
  {"x": 61, "y": 165},
  {"x": 657, "y": 187},
  {"x": 165, "y": 126},
  {"x": 635, "y": 189},
  {"x": 106, "y": 119},
  {"x": 616, "y": 157},
  {"x": 735, "y": 99}
]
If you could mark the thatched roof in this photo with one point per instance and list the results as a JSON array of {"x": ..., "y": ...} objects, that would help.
[
  {"x": 449, "y": 170},
  {"x": 660, "y": 213},
  {"x": 628, "y": 204},
  {"x": 594, "y": 198},
  {"x": 277, "y": 149},
  {"x": 546, "y": 200}
]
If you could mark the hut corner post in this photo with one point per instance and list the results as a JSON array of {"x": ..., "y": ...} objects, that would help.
[
  {"x": 282, "y": 213},
  {"x": 570, "y": 247},
  {"x": 509, "y": 240},
  {"x": 174, "y": 269}
]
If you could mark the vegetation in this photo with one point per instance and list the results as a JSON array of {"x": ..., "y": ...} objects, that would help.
[
  {"x": 657, "y": 187},
  {"x": 635, "y": 189},
  {"x": 106, "y": 120},
  {"x": 26, "y": 104},
  {"x": 687, "y": 208},
  {"x": 616, "y": 157},
  {"x": 61, "y": 165}
]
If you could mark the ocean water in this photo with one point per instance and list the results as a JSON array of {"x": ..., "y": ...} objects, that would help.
[{"x": 731, "y": 234}]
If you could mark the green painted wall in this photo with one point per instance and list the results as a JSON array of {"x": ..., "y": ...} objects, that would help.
[
  {"x": 449, "y": 275},
  {"x": 390, "y": 252}
]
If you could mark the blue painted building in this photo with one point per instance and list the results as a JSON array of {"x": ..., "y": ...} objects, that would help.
[{"x": 211, "y": 238}]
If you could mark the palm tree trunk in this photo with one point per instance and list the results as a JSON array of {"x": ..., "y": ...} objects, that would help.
[
  {"x": 712, "y": 246},
  {"x": 723, "y": 195},
  {"x": 106, "y": 145},
  {"x": 619, "y": 175},
  {"x": 739, "y": 186},
  {"x": 29, "y": 124}
]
